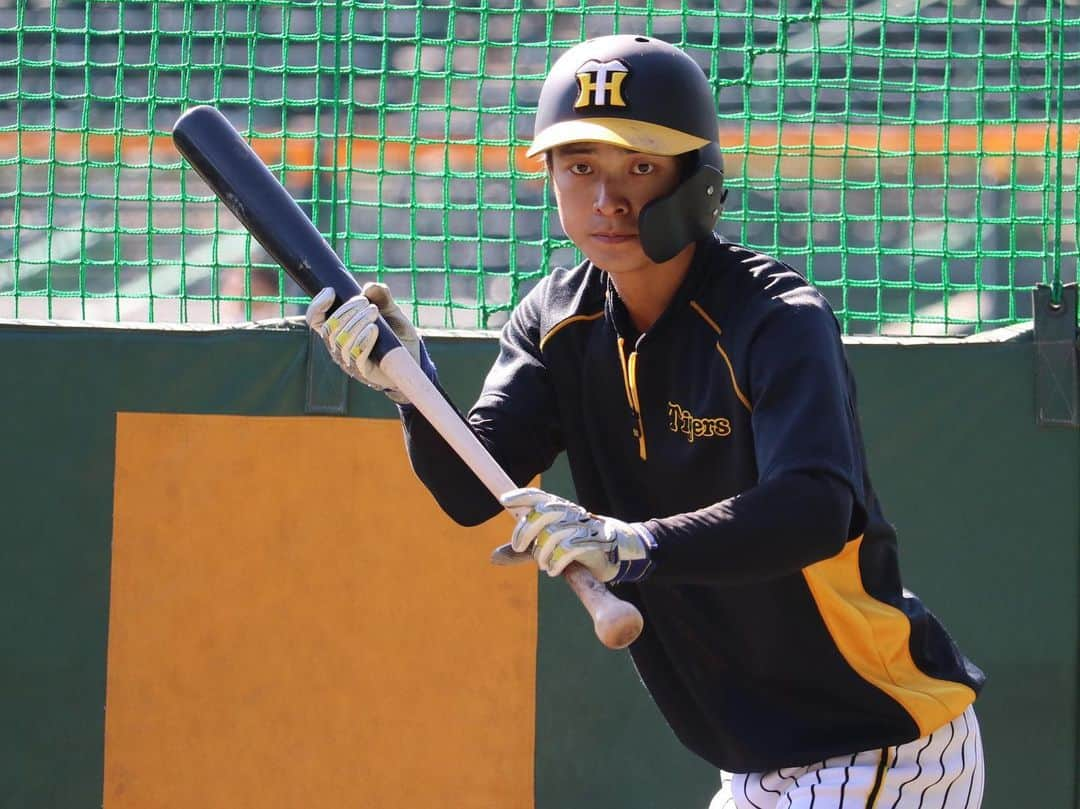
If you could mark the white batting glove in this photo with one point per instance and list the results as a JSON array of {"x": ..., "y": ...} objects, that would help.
[
  {"x": 560, "y": 532},
  {"x": 350, "y": 333}
]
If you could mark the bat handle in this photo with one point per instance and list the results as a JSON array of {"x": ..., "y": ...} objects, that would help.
[{"x": 617, "y": 622}]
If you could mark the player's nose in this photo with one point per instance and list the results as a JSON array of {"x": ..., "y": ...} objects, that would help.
[{"x": 610, "y": 199}]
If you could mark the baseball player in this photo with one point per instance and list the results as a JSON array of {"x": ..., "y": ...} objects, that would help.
[{"x": 701, "y": 393}]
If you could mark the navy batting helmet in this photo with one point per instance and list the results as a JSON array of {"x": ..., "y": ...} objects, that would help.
[{"x": 643, "y": 94}]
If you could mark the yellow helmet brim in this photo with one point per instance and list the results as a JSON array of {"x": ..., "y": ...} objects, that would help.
[{"x": 638, "y": 136}]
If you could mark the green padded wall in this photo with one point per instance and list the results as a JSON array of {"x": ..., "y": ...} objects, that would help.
[{"x": 987, "y": 507}]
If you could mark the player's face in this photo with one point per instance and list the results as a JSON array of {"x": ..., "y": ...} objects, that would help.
[{"x": 600, "y": 190}]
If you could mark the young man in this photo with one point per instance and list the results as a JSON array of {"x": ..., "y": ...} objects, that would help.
[{"x": 701, "y": 393}]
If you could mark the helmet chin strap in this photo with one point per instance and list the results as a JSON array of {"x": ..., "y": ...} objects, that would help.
[{"x": 667, "y": 224}]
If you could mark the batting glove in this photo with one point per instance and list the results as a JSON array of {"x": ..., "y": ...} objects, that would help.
[
  {"x": 560, "y": 532},
  {"x": 350, "y": 333}
]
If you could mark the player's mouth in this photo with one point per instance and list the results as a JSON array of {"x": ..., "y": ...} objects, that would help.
[{"x": 614, "y": 238}]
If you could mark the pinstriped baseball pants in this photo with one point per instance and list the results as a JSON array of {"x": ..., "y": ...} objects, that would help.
[{"x": 943, "y": 770}]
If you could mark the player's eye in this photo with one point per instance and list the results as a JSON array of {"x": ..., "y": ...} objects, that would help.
[
  {"x": 643, "y": 168},
  {"x": 580, "y": 168}
]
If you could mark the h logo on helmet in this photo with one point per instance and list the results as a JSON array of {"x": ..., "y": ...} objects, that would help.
[{"x": 600, "y": 84}]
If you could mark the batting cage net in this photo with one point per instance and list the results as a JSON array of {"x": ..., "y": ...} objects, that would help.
[{"x": 917, "y": 159}]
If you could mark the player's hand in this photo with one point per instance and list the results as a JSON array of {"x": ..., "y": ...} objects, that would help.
[
  {"x": 350, "y": 333},
  {"x": 560, "y": 532}
]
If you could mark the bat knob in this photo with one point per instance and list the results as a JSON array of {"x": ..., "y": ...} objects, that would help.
[{"x": 617, "y": 623}]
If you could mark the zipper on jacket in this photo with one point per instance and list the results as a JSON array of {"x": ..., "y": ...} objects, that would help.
[{"x": 629, "y": 374}]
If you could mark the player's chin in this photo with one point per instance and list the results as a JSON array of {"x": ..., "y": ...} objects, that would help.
[{"x": 611, "y": 252}]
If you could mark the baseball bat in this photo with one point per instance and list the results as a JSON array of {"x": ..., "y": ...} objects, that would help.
[{"x": 232, "y": 170}]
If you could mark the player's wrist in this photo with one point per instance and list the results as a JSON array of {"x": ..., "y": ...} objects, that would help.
[{"x": 635, "y": 549}]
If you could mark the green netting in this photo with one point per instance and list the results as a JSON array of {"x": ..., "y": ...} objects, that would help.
[{"x": 916, "y": 158}]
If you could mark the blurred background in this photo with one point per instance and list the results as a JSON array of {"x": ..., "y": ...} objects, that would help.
[{"x": 916, "y": 159}]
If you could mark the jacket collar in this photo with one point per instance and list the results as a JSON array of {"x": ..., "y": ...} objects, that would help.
[{"x": 696, "y": 276}]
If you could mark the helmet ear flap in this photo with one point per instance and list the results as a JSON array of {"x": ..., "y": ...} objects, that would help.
[{"x": 668, "y": 224}]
